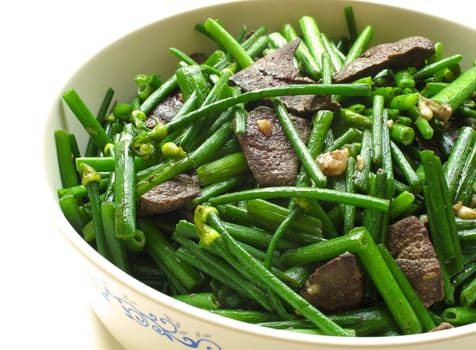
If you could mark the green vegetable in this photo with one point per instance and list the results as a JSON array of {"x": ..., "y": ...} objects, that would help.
[
  {"x": 207, "y": 301},
  {"x": 91, "y": 148},
  {"x": 373, "y": 219},
  {"x": 287, "y": 90},
  {"x": 221, "y": 169},
  {"x": 377, "y": 122},
  {"x": 354, "y": 242},
  {"x": 468, "y": 294},
  {"x": 402, "y": 134},
  {"x": 459, "y": 315},
  {"x": 90, "y": 178},
  {"x": 249, "y": 249},
  {"x": 362, "y": 172},
  {"x": 270, "y": 212},
  {"x": 299, "y": 146},
  {"x": 213, "y": 266},
  {"x": 350, "y": 20},
  {"x": 163, "y": 253},
  {"x": 360, "y": 44},
  {"x": 249, "y": 316},
  {"x": 124, "y": 187},
  {"x": 116, "y": 247},
  {"x": 405, "y": 167},
  {"x": 440, "y": 214},
  {"x": 166, "y": 88},
  {"x": 66, "y": 150},
  {"x": 311, "y": 65},
  {"x": 271, "y": 281},
  {"x": 457, "y": 92},
  {"x": 74, "y": 213},
  {"x": 86, "y": 118},
  {"x": 436, "y": 66},
  {"x": 222, "y": 36},
  {"x": 453, "y": 168},
  {"x": 311, "y": 193},
  {"x": 420, "y": 310},
  {"x": 312, "y": 37}
]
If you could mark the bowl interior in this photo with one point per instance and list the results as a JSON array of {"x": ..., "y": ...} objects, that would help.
[{"x": 146, "y": 51}]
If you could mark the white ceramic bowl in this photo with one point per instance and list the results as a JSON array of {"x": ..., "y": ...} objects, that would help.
[{"x": 142, "y": 318}]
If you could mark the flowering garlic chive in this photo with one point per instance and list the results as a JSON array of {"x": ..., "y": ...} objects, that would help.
[
  {"x": 170, "y": 149},
  {"x": 122, "y": 111},
  {"x": 110, "y": 118},
  {"x": 109, "y": 149},
  {"x": 88, "y": 174},
  {"x": 145, "y": 150},
  {"x": 206, "y": 233},
  {"x": 158, "y": 133},
  {"x": 138, "y": 117}
]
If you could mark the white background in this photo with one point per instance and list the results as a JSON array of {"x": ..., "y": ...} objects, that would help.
[{"x": 42, "y": 42}]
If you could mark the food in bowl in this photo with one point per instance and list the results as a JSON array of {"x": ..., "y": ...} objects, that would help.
[{"x": 272, "y": 192}]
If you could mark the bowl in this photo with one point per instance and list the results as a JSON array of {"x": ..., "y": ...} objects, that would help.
[{"x": 140, "y": 317}]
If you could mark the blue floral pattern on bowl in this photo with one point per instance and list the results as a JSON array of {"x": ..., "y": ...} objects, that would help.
[{"x": 163, "y": 326}]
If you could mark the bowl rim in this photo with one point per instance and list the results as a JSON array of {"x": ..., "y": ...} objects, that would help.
[{"x": 83, "y": 249}]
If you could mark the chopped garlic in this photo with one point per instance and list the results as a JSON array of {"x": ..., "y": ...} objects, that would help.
[
  {"x": 312, "y": 289},
  {"x": 264, "y": 125},
  {"x": 424, "y": 110},
  {"x": 360, "y": 164},
  {"x": 333, "y": 163},
  {"x": 465, "y": 212},
  {"x": 457, "y": 206},
  {"x": 423, "y": 219},
  {"x": 429, "y": 108}
]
